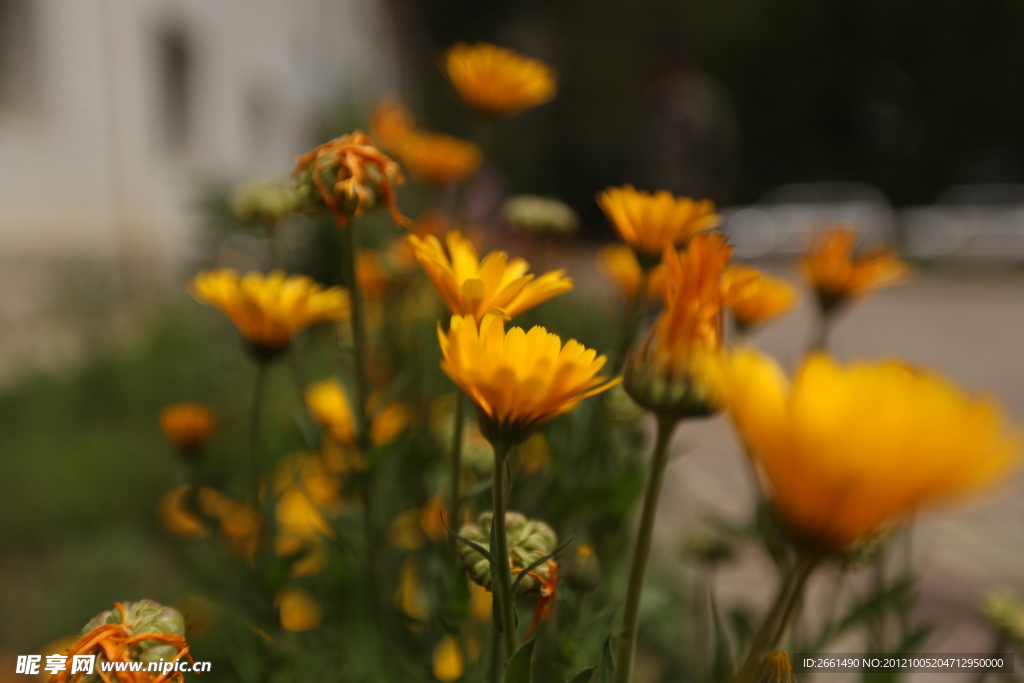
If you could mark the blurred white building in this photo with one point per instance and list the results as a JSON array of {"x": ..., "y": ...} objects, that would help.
[{"x": 113, "y": 112}]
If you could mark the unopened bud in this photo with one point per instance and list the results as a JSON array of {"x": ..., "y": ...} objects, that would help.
[
  {"x": 528, "y": 541},
  {"x": 541, "y": 216},
  {"x": 776, "y": 668},
  {"x": 584, "y": 571},
  {"x": 264, "y": 201}
]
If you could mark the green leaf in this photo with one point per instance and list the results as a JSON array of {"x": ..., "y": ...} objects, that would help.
[
  {"x": 518, "y": 669},
  {"x": 583, "y": 676},
  {"x": 606, "y": 669}
]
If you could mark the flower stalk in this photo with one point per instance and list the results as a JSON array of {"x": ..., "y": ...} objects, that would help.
[
  {"x": 456, "y": 457},
  {"x": 254, "y": 430},
  {"x": 500, "y": 571},
  {"x": 774, "y": 625},
  {"x": 642, "y": 550},
  {"x": 358, "y": 334}
]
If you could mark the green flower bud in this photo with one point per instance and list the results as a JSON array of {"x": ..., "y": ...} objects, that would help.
[
  {"x": 145, "y": 616},
  {"x": 584, "y": 571},
  {"x": 528, "y": 541},
  {"x": 708, "y": 549},
  {"x": 679, "y": 397},
  {"x": 541, "y": 216},
  {"x": 264, "y": 201},
  {"x": 1005, "y": 610}
]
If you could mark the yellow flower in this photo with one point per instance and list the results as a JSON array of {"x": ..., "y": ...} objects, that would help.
[
  {"x": 647, "y": 222},
  {"x": 755, "y": 297},
  {"x": 409, "y": 594},
  {"x": 348, "y": 176},
  {"x": 475, "y": 288},
  {"x": 299, "y": 611},
  {"x": 847, "y": 450},
  {"x": 498, "y": 80},
  {"x": 776, "y": 668},
  {"x": 391, "y": 121},
  {"x": 837, "y": 275},
  {"x": 176, "y": 517},
  {"x": 481, "y": 603},
  {"x": 308, "y": 493},
  {"x": 448, "y": 663},
  {"x": 661, "y": 373},
  {"x": 241, "y": 527},
  {"x": 437, "y": 158},
  {"x": 518, "y": 380},
  {"x": 187, "y": 425},
  {"x": 269, "y": 309},
  {"x": 620, "y": 264},
  {"x": 330, "y": 407}
]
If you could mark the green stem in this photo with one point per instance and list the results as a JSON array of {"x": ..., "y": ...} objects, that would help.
[
  {"x": 358, "y": 335},
  {"x": 821, "y": 334},
  {"x": 456, "y": 461},
  {"x": 775, "y": 622},
  {"x": 501, "y": 575},
  {"x": 254, "y": 429},
  {"x": 634, "y": 590}
]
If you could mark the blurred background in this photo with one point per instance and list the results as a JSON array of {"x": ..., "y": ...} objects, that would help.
[{"x": 122, "y": 123}]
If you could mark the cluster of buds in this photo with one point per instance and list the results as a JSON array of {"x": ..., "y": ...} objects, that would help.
[{"x": 528, "y": 541}]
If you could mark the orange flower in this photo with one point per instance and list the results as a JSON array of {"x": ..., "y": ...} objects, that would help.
[
  {"x": 391, "y": 122},
  {"x": 437, "y": 158},
  {"x": 498, "y": 80},
  {"x": 755, "y": 297},
  {"x": 661, "y": 374},
  {"x": 647, "y": 222},
  {"x": 348, "y": 175},
  {"x": 837, "y": 275},
  {"x": 187, "y": 425}
]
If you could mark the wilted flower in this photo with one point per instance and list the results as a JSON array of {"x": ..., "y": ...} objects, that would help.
[
  {"x": 619, "y": 263},
  {"x": 498, "y": 80},
  {"x": 662, "y": 373},
  {"x": 647, "y": 222},
  {"x": 837, "y": 275},
  {"x": 846, "y": 450},
  {"x": 264, "y": 201},
  {"x": 447, "y": 661},
  {"x": 754, "y": 297},
  {"x": 518, "y": 380},
  {"x": 348, "y": 176},
  {"x": 476, "y": 288},
  {"x": 540, "y": 216},
  {"x": 187, "y": 426},
  {"x": 437, "y": 158},
  {"x": 298, "y": 610},
  {"x": 143, "y": 631},
  {"x": 269, "y": 309},
  {"x": 528, "y": 541}
]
